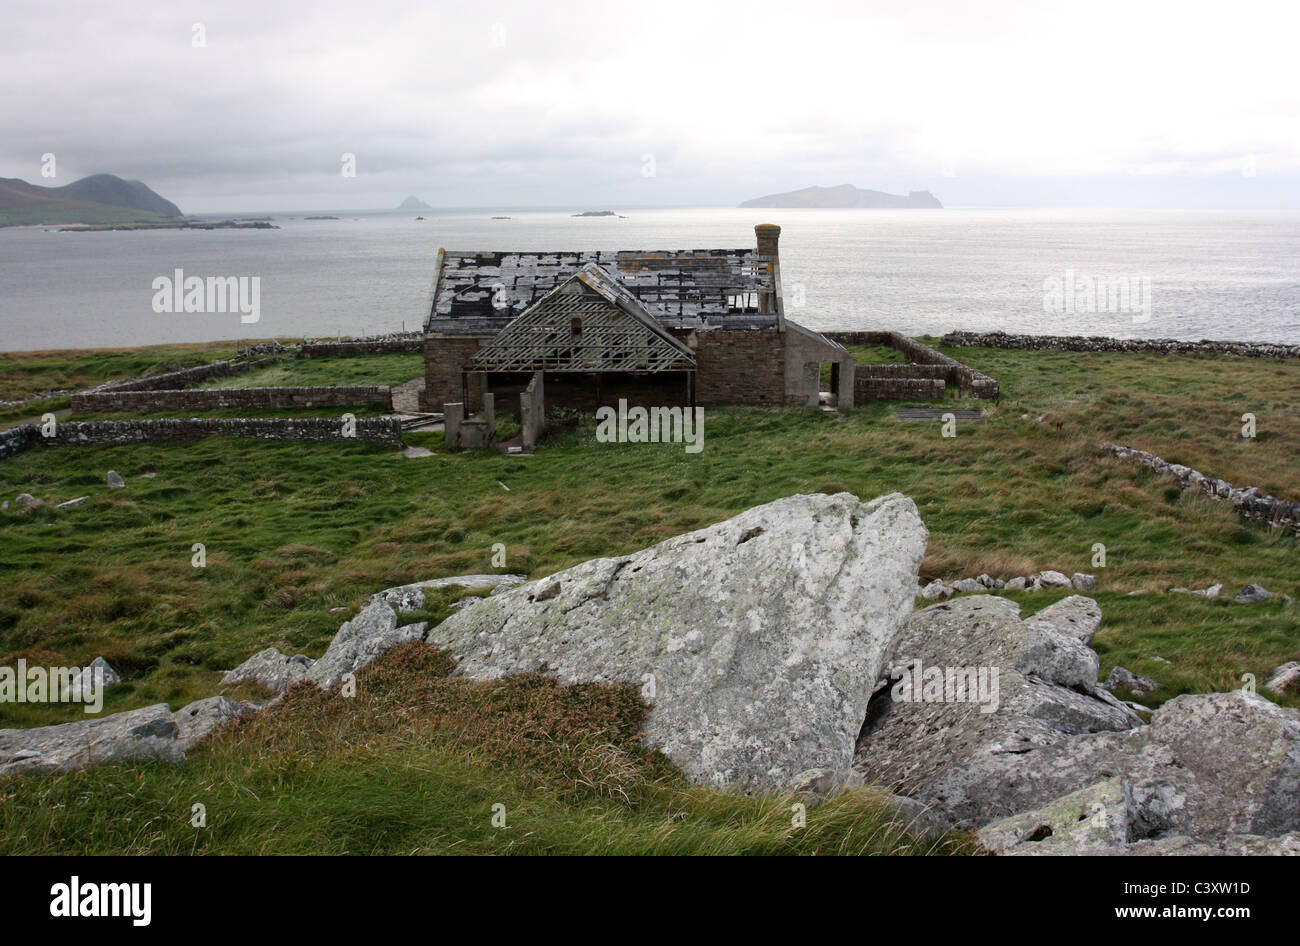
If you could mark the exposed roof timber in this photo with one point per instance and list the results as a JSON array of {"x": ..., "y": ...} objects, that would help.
[{"x": 613, "y": 333}]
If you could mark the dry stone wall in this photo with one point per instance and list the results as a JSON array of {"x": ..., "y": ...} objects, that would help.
[
  {"x": 219, "y": 398},
  {"x": 1100, "y": 343}
]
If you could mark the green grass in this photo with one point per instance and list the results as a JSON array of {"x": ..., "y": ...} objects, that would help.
[
  {"x": 391, "y": 370},
  {"x": 25, "y": 373},
  {"x": 414, "y": 764},
  {"x": 877, "y": 355},
  {"x": 293, "y": 530}
]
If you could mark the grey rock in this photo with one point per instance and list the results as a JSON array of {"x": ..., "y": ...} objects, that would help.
[
  {"x": 1016, "y": 584},
  {"x": 1209, "y": 766},
  {"x": 917, "y": 816},
  {"x": 413, "y": 453},
  {"x": 1053, "y": 579},
  {"x": 820, "y": 784},
  {"x": 359, "y": 641},
  {"x": 148, "y": 733},
  {"x": 411, "y": 597},
  {"x": 968, "y": 584},
  {"x": 72, "y": 503},
  {"x": 1093, "y": 819},
  {"x": 1075, "y": 616},
  {"x": 1237, "y": 845},
  {"x": 200, "y": 718},
  {"x": 762, "y": 635},
  {"x": 1127, "y": 679},
  {"x": 1285, "y": 680},
  {"x": 964, "y": 762},
  {"x": 1081, "y": 582},
  {"x": 115, "y": 480},
  {"x": 1252, "y": 594},
  {"x": 936, "y": 589},
  {"x": 1211, "y": 592},
  {"x": 270, "y": 669},
  {"x": 26, "y": 499},
  {"x": 97, "y": 673}
]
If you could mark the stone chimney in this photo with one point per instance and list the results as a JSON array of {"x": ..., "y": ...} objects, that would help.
[{"x": 768, "y": 234}]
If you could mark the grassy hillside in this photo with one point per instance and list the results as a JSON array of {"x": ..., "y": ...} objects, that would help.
[
  {"x": 98, "y": 199},
  {"x": 294, "y": 530}
]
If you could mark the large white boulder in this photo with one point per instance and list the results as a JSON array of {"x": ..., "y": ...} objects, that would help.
[{"x": 757, "y": 641}]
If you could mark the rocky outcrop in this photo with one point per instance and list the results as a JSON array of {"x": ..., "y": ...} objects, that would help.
[
  {"x": 359, "y": 641},
  {"x": 756, "y": 641},
  {"x": 944, "y": 750},
  {"x": 270, "y": 669},
  {"x": 1092, "y": 820},
  {"x": 137, "y": 735},
  {"x": 198, "y": 720},
  {"x": 1123, "y": 678},
  {"x": 1252, "y": 594},
  {"x": 1209, "y": 768},
  {"x": 1285, "y": 680},
  {"x": 412, "y": 597}
]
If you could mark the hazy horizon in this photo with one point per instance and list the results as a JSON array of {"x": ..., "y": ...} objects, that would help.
[{"x": 236, "y": 108}]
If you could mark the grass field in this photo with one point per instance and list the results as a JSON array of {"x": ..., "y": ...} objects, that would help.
[
  {"x": 293, "y": 530},
  {"x": 391, "y": 370}
]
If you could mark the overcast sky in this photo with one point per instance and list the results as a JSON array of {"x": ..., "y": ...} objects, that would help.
[{"x": 502, "y": 104}]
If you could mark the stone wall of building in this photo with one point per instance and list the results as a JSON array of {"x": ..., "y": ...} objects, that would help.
[
  {"x": 221, "y": 398},
  {"x": 740, "y": 367},
  {"x": 897, "y": 388},
  {"x": 1164, "y": 346},
  {"x": 962, "y": 377},
  {"x": 444, "y": 359}
]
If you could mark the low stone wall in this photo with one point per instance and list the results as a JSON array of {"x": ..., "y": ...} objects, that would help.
[
  {"x": 866, "y": 388},
  {"x": 955, "y": 374},
  {"x": 1248, "y": 500},
  {"x": 175, "y": 380},
  {"x": 385, "y": 345},
  {"x": 383, "y": 430},
  {"x": 219, "y": 398},
  {"x": 17, "y": 439},
  {"x": 1164, "y": 346}
]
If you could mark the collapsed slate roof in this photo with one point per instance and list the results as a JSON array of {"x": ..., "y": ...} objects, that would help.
[
  {"x": 589, "y": 322},
  {"x": 479, "y": 293}
]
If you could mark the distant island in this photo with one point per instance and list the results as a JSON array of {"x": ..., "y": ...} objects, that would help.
[
  {"x": 98, "y": 199},
  {"x": 172, "y": 225},
  {"x": 320, "y": 218},
  {"x": 595, "y": 213},
  {"x": 844, "y": 196},
  {"x": 413, "y": 203}
]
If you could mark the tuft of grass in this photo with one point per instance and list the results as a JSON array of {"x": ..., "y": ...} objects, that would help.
[{"x": 419, "y": 762}]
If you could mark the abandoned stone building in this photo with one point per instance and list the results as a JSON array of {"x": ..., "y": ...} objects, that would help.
[{"x": 657, "y": 327}]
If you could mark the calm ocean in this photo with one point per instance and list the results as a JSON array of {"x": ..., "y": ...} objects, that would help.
[{"x": 1191, "y": 274}]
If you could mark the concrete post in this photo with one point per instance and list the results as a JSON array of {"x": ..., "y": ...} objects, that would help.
[
  {"x": 452, "y": 415},
  {"x": 490, "y": 417}
]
